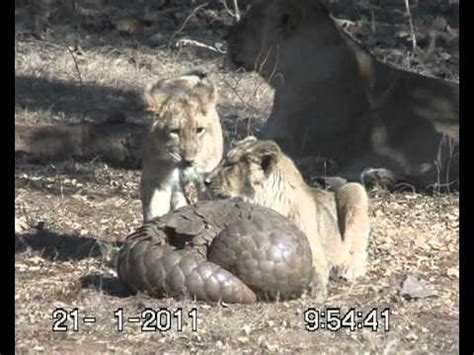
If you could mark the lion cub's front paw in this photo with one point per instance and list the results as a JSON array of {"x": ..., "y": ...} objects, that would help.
[{"x": 350, "y": 272}]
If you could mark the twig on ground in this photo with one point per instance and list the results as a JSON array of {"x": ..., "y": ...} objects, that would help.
[
  {"x": 237, "y": 11},
  {"x": 245, "y": 102},
  {"x": 410, "y": 21},
  {"x": 78, "y": 71},
  {"x": 341, "y": 295},
  {"x": 171, "y": 9},
  {"x": 240, "y": 97},
  {"x": 185, "y": 22},
  {"x": 440, "y": 161},
  {"x": 191, "y": 42},
  {"x": 343, "y": 23}
]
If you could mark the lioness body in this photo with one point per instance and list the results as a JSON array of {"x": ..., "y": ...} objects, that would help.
[
  {"x": 335, "y": 99},
  {"x": 336, "y": 224},
  {"x": 184, "y": 141}
]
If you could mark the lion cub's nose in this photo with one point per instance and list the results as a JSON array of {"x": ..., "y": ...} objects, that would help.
[
  {"x": 187, "y": 162},
  {"x": 207, "y": 180}
]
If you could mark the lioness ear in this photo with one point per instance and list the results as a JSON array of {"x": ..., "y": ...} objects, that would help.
[
  {"x": 269, "y": 153},
  {"x": 154, "y": 97}
]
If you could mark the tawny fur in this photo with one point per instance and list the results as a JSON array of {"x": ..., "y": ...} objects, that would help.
[
  {"x": 336, "y": 224},
  {"x": 184, "y": 141},
  {"x": 334, "y": 99}
]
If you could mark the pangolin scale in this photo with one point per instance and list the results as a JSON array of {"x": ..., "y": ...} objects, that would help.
[{"x": 215, "y": 251}]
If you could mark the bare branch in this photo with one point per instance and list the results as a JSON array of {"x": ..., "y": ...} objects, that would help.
[
  {"x": 185, "y": 22},
  {"x": 78, "y": 71},
  {"x": 236, "y": 13},
  {"x": 410, "y": 21},
  {"x": 191, "y": 42}
]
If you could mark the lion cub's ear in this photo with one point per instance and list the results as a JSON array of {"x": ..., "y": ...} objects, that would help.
[
  {"x": 207, "y": 93},
  {"x": 268, "y": 153},
  {"x": 246, "y": 141},
  {"x": 154, "y": 96}
]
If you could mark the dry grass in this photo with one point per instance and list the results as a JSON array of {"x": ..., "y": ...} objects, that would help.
[{"x": 70, "y": 216}]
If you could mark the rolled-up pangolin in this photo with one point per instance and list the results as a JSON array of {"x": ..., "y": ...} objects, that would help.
[{"x": 214, "y": 251}]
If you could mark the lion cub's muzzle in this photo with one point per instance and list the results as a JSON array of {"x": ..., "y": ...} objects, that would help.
[{"x": 212, "y": 183}]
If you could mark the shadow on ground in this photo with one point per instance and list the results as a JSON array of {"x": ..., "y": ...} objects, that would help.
[
  {"x": 58, "y": 180},
  {"x": 103, "y": 132},
  {"x": 106, "y": 284},
  {"x": 64, "y": 99},
  {"x": 61, "y": 247}
]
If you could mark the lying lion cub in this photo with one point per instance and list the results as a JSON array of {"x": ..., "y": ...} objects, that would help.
[
  {"x": 333, "y": 98},
  {"x": 184, "y": 141},
  {"x": 336, "y": 224}
]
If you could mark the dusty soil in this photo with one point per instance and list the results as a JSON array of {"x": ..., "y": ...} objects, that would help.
[{"x": 73, "y": 65}]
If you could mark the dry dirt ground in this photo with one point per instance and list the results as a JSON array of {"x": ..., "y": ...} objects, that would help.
[{"x": 72, "y": 64}]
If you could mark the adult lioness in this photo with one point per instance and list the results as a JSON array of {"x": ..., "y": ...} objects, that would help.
[
  {"x": 336, "y": 224},
  {"x": 334, "y": 98},
  {"x": 184, "y": 141}
]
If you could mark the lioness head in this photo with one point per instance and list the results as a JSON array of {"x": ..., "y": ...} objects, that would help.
[
  {"x": 256, "y": 171},
  {"x": 185, "y": 128},
  {"x": 267, "y": 38}
]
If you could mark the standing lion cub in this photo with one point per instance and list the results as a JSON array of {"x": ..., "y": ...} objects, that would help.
[
  {"x": 184, "y": 141},
  {"x": 336, "y": 224}
]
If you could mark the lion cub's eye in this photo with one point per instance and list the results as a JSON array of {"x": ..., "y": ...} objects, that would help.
[{"x": 200, "y": 130}]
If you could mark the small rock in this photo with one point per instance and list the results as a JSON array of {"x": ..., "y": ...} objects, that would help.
[
  {"x": 413, "y": 288},
  {"x": 128, "y": 25},
  {"x": 270, "y": 323},
  {"x": 246, "y": 329},
  {"x": 453, "y": 272},
  {"x": 156, "y": 40},
  {"x": 243, "y": 340}
]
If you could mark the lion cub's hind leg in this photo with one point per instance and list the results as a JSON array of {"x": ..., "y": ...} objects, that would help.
[
  {"x": 319, "y": 286},
  {"x": 353, "y": 217}
]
